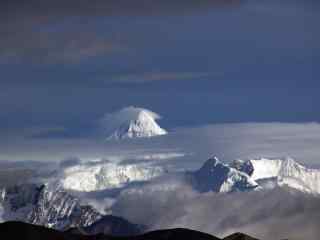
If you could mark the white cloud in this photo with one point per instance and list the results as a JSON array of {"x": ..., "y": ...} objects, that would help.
[
  {"x": 112, "y": 121},
  {"x": 249, "y": 140},
  {"x": 271, "y": 214},
  {"x": 1, "y": 213},
  {"x": 274, "y": 214},
  {"x": 227, "y": 141}
]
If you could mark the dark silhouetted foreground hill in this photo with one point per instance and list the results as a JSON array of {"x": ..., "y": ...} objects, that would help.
[
  {"x": 239, "y": 236},
  {"x": 25, "y": 231}
]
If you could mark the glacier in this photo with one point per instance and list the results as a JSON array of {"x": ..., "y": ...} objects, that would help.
[
  {"x": 282, "y": 172},
  {"x": 107, "y": 175},
  {"x": 287, "y": 172}
]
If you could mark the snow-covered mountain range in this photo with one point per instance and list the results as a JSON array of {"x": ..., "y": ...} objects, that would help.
[
  {"x": 45, "y": 205},
  {"x": 106, "y": 175},
  {"x": 253, "y": 174},
  {"x": 132, "y": 122},
  {"x": 214, "y": 175},
  {"x": 285, "y": 172},
  {"x": 219, "y": 177},
  {"x": 51, "y": 205}
]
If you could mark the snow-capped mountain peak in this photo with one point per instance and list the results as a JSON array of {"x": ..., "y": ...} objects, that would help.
[
  {"x": 133, "y": 122},
  {"x": 143, "y": 126},
  {"x": 284, "y": 172},
  {"x": 289, "y": 165},
  {"x": 265, "y": 168},
  {"x": 50, "y": 206},
  {"x": 45, "y": 205},
  {"x": 252, "y": 174},
  {"x": 219, "y": 177},
  {"x": 211, "y": 164}
]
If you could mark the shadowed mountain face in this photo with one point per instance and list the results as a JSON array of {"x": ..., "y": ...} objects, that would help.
[
  {"x": 44, "y": 205},
  {"x": 25, "y": 231},
  {"x": 219, "y": 177}
]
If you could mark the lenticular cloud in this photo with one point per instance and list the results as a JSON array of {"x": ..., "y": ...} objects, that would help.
[
  {"x": 126, "y": 114},
  {"x": 131, "y": 122}
]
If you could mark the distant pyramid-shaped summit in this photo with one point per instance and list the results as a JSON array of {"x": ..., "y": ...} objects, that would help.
[{"x": 132, "y": 122}]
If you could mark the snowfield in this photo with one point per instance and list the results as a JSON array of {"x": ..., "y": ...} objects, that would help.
[{"x": 108, "y": 175}]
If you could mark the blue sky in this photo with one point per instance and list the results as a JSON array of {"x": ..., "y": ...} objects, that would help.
[{"x": 253, "y": 61}]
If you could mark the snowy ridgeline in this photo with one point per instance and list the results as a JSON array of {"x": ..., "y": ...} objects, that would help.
[
  {"x": 212, "y": 176},
  {"x": 46, "y": 206},
  {"x": 52, "y": 206},
  {"x": 265, "y": 174},
  {"x": 256, "y": 174},
  {"x": 107, "y": 175}
]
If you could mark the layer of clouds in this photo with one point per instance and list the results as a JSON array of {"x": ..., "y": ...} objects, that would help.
[
  {"x": 41, "y": 45},
  {"x": 254, "y": 140},
  {"x": 15, "y": 176},
  {"x": 15, "y": 173},
  {"x": 45, "y": 9},
  {"x": 160, "y": 76},
  {"x": 193, "y": 145},
  {"x": 69, "y": 162},
  {"x": 275, "y": 214},
  {"x": 62, "y": 31}
]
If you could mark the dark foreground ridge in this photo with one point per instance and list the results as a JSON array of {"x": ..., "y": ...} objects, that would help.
[
  {"x": 239, "y": 236},
  {"x": 25, "y": 231}
]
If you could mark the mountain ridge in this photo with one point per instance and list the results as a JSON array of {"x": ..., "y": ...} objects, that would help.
[
  {"x": 25, "y": 231},
  {"x": 219, "y": 177},
  {"x": 239, "y": 236},
  {"x": 254, "y": 174},
  {"x": 52, "y": 206},
  {"x": 285, "y": 172}
]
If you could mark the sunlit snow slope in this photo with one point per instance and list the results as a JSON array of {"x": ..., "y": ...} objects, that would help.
[
  {"x": 132, "y": 122},
  {"x": 106, "y": 175},
  {"x": 285, "y": 172}
]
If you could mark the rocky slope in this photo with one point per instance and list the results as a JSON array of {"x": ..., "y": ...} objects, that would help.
[
  {"x": 45, "y": 205},
  {"x": 219, "y": 177},
  {"x": 254, "y": 174}
]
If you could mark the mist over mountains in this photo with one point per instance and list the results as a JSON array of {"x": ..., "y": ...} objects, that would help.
[
  {"x": 235, "y": 195},
  {"x": 106, "y": 185},
  {"x": 159, "y": 119}
]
